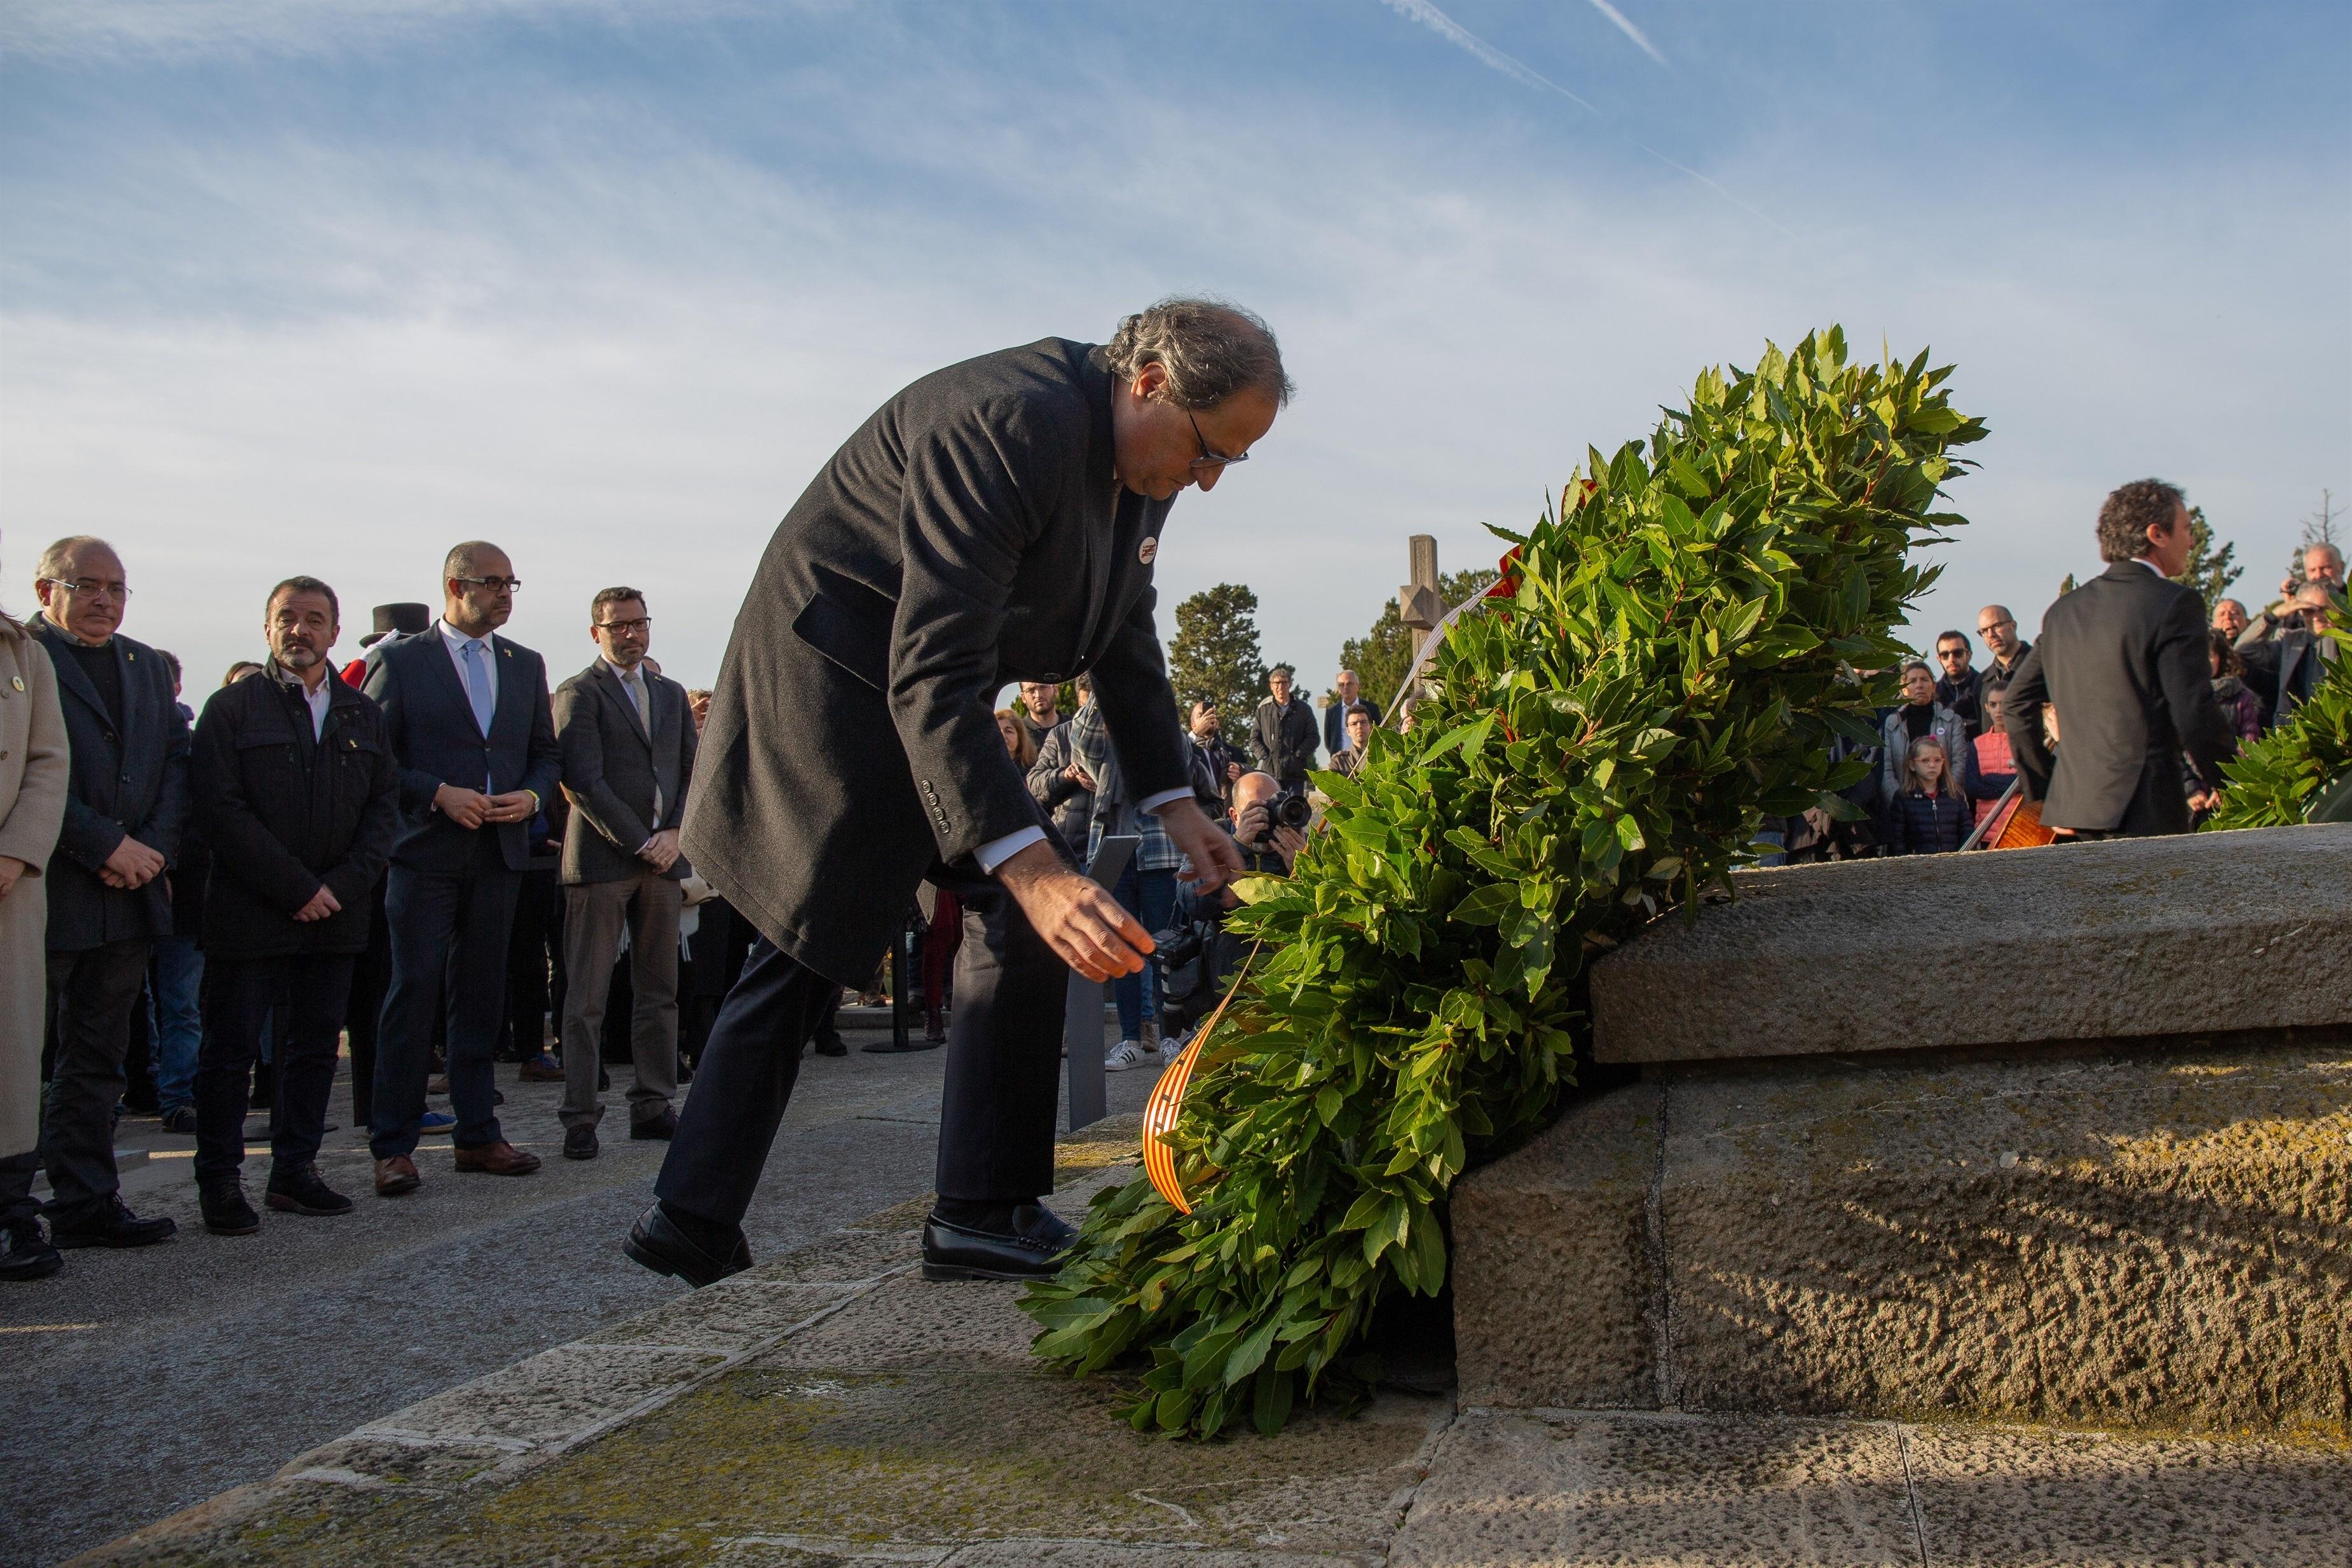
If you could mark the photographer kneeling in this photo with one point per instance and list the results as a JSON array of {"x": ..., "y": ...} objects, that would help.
[{"x": 1197, "y": 955}]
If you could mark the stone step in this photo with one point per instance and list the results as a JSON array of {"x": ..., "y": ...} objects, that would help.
[{"x": 1866, "y": 1174}]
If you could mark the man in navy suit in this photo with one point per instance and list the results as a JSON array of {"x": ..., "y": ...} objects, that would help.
[{"x": 467, "y": 716}]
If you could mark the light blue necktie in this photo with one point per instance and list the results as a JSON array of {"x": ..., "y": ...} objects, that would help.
[{"x": 477, "y": 685}]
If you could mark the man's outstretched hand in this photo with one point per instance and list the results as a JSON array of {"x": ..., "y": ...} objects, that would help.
[
  {"x": 1081, "y": 922},
  {"x": 1215, "y": 858}
]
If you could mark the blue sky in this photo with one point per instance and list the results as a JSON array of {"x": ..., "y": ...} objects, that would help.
[{"x": 307, "y": 286}]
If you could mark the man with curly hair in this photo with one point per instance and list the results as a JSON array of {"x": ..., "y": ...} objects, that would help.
[
  {"x": 2123, "y": 659},
  {"x": 995, "y": 521}
]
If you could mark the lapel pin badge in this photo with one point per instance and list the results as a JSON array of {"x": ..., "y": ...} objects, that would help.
[{"x": 1147, "y": 549}]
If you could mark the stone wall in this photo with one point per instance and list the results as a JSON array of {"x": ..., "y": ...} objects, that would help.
[{"x": 2139, "y": 1228}]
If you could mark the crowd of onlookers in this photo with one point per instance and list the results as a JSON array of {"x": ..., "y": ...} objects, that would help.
[
  {"x": 438, "y": 856},
  {"x": 1943, "y": 767},
  {"x": 434, "y": 856}
]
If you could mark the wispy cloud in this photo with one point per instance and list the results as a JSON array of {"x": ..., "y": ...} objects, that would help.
[
  {"x": 1462, "y": 38},
  {"x": 1629, "y": 30}
]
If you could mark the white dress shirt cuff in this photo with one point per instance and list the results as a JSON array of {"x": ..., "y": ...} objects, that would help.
[
  {"x": 1152, "y": 803},
  {"x": 996, "y": 851}
]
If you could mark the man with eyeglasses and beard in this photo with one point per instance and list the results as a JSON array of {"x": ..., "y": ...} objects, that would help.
[
  {"x": 299, "y": 797},
  {"x": 467, "y": 716},
  {"x": 125, "y": 810},
  {"x": 2004, "y": 649},
  {"x": 996, "y": 520}
]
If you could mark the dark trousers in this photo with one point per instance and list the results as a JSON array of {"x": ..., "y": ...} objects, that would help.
[
  {"x": 363, "y": 1013},
  {"x": 996, "y": 1110},
  {"x": 240, "y": 994},
  {"x": 17, "y": 1203},
  {"x": 449, "y": 936},
  {"x": 2159, "y": 808},
  {"x": 534, "y": 965},
  {"x": 91, "y": 996}
]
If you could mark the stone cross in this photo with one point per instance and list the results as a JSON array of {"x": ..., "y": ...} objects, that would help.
[{"x": 1419, "y": 605}]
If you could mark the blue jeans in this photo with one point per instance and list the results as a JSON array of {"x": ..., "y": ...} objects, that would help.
[
  {"x": 175, "y": 979},
  {"x": 1151, "y": 898}
]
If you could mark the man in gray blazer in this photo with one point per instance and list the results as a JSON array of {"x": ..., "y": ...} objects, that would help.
[
  {"x": 628, "y": 758},
  {"x": 996, "y": 520}
]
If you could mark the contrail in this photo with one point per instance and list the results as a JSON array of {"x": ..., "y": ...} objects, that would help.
[
  {"x": 1425, "y": 13},
  {"x": 1629, "y": 30},
  {"x": 1462, "y": 38}
]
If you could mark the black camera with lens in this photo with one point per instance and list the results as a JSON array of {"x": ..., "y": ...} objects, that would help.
[{"x": 1292, "y": 809}]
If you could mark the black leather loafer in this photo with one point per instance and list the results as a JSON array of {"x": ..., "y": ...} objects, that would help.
[
  {"x": 580, "y": 1143},
  {"x": 1032, "y": 1251},
  {"x": 656, "y": 1242},
  {"x": 112, "y": 1226}
]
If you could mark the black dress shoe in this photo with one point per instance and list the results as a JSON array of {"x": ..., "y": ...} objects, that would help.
[
  {"x": 832, "y": 1045},
  {"x": 580, "y": 1143},
  {"x": 26, "y": 1252},
  {"x": 657, "y": 1243},
  {"x": 224, "y": 1210},
  {"x": 300, "y": 1189},
  {"x": 113, "y": 1225},
  {"x": 1032, "y": 1250},
  {"x": 663, "y": 1127}
]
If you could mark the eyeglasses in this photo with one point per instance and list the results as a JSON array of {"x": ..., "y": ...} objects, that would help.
[
  {"x": 1209, "y": 456},
  {"x": 89, "y": 586},
  {"x": 1951, "y": 653},
  {"x": 639, "y": 624},
  {"x": 512, "y": 584},
  {"x": 1990, "y": 627}
]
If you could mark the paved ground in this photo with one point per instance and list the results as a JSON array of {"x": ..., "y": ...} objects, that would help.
[
  {"x": 142, "y": 1382},
  {"x": 831, "y": 1408}
]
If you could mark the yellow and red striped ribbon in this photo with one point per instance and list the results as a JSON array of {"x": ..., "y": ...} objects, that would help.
[{"x": 1167, "y": 1100}]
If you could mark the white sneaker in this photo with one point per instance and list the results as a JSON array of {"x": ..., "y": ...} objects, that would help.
[
  {"x": 1170, "y": 1050},
  {"x": 1130, "y": 1053}
]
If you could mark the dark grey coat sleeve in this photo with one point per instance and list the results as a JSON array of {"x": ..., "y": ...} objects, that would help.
[
  {"x": 2185, "y": 671},
  {"x": 976, "y": 488}
]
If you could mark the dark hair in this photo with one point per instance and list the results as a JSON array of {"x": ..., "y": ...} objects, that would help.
[
  {"x": 1366, "y": 709},
  {"x": 237, "y": 672},
  {"x": 612, "y": 596},
  {"x": 171, "y": 662},
  {"x": 307, "y": 585},
  {"x": 2226, "y": 650},
  {"x": 460, "y": 561},
  {"x": 2130, "y": 512},
  {"x": 1904, "y": 671},
  {"x": 1944, "y": 637}
]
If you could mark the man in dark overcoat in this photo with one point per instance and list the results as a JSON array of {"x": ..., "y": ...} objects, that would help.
[
  {"x": 297, "y": 794},
  {"x": 995, "y": 521},
  {"x": 109, "y": 893},
  {"x": 2123, "y": 658}
]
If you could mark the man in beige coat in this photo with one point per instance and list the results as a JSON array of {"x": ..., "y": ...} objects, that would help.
[{"x": 33, "y": 764}]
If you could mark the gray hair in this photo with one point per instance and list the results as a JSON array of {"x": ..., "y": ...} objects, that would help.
[
  {"x": 1211, "y": 349},
  {"x": 59, "y": 557}
]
